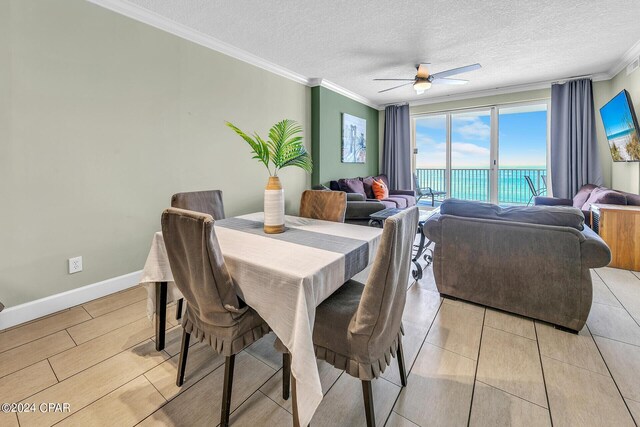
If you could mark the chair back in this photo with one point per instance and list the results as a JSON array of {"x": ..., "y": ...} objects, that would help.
[
  {"x": 198, "y": 267},
  {"x": 416, "y": 185},
  {"x": 532, "y": 187},
  {"x": 325, "y": 205},
  {"x": 208, "y": 202},
  {"x": 379, "y": 314}
]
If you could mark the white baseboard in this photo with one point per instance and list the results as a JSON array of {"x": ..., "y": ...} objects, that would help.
[{"x": 18, "y": 314}]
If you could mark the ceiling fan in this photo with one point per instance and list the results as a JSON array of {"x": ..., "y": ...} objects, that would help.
[{"x": 423, "y": 80}]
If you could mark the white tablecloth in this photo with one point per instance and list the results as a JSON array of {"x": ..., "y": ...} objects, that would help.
[{"x": 284, "y": 278}]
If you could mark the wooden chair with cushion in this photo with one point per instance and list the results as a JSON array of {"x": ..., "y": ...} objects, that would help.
[
  {"x": 359, "y": 327},
  {"x": 214, "y": 313},
  {"x": 208, "y": 202},
  {"x": 325, "y": 205}
]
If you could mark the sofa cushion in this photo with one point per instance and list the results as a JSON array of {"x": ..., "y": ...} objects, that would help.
[
  {"x": 380, "y": 190},
  {"x": 351, "y": 185},
  {"x": 605, "y": 196},
  {"x": 582, "y": 195},
  {"x": 411, "y": 200},
  {"x": 388, "y": 203},
  {"x": 564, "y": 216},
  {"x": 400, "y": 202}
]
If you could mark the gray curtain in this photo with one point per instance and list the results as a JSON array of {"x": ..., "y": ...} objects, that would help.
[
  {"x": 396, "y": 159},
  {"x": 574, "y": 147}
]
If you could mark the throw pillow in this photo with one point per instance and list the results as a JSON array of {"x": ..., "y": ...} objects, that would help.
[
  {"x": 605, "y": 196},
  {"x": 368, "y": 187},
  {"x": 351, "y": 185},
  {"x": 380, "y": 190}
]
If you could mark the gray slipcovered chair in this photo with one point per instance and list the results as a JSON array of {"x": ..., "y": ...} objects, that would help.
[
  {"x": 359, "y": 327},
  {"x": 214, "y": 313},
  {"x": 208, "y": 202},
  {"x": 324, "y": 205},
  {"x": 533, "y": 261}
]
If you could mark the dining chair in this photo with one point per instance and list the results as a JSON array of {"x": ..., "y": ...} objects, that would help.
[
  {"x": 359, "y": 327},
  {"x": 214, "y": 313},
  {"x": 325, "y": 205},
  {"x": 208, "y": 202}
]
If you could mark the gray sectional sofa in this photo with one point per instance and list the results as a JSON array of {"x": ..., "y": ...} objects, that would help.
[{"x": 533, "y": 261}]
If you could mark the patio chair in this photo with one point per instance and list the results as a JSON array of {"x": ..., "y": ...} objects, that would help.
[
  {"x": 532, "y": 188},
  {"x": 426, "y": 191}
]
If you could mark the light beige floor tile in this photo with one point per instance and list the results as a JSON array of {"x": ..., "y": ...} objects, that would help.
[
  {"x": 35, "y": 351},
  {"x": 201, "y": 360},
  {"x": 614, "y": 323},
  {"x": 636, "y": 273},
  {"x": 263, "y": 350},
  {"x": 510, "y": 323},
  {"x": 200, "y": 404},
  {"x": 624, "y": 362},
  {"x": 512, "y": 364},
  {"x": 578, "y": 350},
  {"x": 421, "y": 307},
  {"x": 464, "y": 304},
  {"x": 602, "y": 294},
  {"x": 273, "y": 388},
  {"x": 125, "y": 406},
  {"x": 26, "y": 382},
  {"x": 396, "y": 420},
  {"x": 411, "y": 342},
  {"x": 8, "y": 419},
  {"x": 493, "y": 407},
  {"x": 259, "y": 410},
  {"x": 439, "y": 389},
  {"x": 98, "y": 349},
  {"x": 40, "y": 328},
  {"x": 634, "y": 408},
  {"x": 115, "y": 301},
  {"x": 110, "y": 321},
  {"x": 626, "y": 287},
  {"x": 581, "y": 398},
  {"x": 95, "y": 382},
  {"x": 428, "y": 282},
  {"x": 457, "y": 329},
  {"x": 343, "y": 405}
]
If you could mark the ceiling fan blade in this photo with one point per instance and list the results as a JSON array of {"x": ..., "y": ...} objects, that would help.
[
  {"x": 392, "y": 80},
  {"x": 395, "y": 87},
  {"x": 449, "y": 81},
  {"x": 422, "y": 70},
  {"x": 455, "y": 71}
]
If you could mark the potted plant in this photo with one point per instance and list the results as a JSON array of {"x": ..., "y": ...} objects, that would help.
[{"x": 284, "y": 147}]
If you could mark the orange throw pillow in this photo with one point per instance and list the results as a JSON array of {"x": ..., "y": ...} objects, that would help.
[{"x": 379, "y": 189}]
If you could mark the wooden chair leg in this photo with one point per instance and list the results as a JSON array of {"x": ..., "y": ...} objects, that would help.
[
  {"x": 182, "y": 362},
  {"x": 401, "y": 366},
  {"x": 226, "y": 393},
  {"x": 367, "y": 392},
  {"x": 161, "y": 313},
  {"x": 179, "y": 308},
  {"x": 286, "y": 375}
]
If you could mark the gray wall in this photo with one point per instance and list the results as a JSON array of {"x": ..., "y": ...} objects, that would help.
[{"x": 107, "y": 118}]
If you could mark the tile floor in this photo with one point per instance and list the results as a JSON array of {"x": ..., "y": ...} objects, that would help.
[{"x": 469, "y": 366}]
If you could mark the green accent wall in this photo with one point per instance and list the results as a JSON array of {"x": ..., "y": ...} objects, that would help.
[{"x": 326, "y": 136}]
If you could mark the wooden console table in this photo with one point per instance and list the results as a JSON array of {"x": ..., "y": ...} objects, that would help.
[{"x": 619, "y": 227}]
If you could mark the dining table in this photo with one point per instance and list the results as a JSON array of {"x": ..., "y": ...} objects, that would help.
[{"x": 283, "y": 277}]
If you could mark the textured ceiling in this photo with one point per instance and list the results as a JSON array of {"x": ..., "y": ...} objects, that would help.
[{"x": 351, "y": 42}]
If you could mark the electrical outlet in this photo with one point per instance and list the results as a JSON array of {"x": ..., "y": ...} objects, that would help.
[{"x": 75, "y": 265}]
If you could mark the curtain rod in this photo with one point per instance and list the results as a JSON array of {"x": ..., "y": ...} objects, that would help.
[{"x": 568, "y": 79}]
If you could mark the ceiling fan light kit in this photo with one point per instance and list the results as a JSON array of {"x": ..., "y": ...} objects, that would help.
[{"x": 423, "y": 79}]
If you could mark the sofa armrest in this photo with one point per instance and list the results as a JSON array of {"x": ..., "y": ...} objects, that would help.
[
  {"x": 594, "y": 251},
  {"x": 355, "y": 197},
  {"x": 362, "y": 209},
  {"x": 432, "y": 228},
  {"x": 551, "y": 201},
  {"x": 402, "y": 192}
]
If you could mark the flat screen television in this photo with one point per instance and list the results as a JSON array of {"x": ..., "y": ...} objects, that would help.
[{"x": 621, "y": 126}]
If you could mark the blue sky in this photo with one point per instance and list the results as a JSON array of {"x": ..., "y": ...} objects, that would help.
[
  {"x": 522, "y": 136},
  {"x": 616, "y": 115}
]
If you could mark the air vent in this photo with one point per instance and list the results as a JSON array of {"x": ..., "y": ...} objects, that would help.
[{"x": 633, "y": 66}]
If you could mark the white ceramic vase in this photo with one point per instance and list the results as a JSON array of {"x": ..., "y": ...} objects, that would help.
[{"x": 273, "y": 206}]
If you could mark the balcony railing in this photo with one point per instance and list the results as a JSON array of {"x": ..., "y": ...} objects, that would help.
[{"x": 474, "y": 184}]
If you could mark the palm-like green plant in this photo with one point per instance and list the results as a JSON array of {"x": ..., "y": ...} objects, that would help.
[{"x": 283, "y": 148}]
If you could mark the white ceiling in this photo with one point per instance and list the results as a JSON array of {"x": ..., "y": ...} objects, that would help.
[{"x": 349, "y": 43}]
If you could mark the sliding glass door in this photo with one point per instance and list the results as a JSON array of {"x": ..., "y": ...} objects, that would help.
[{"x": 495, "y": 154}]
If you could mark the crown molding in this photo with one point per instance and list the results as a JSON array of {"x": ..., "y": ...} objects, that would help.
[
  {"x": 629, "y": 55},
  {"x": 344, "y": 92},
  {"x": 145, "y": 16}
]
